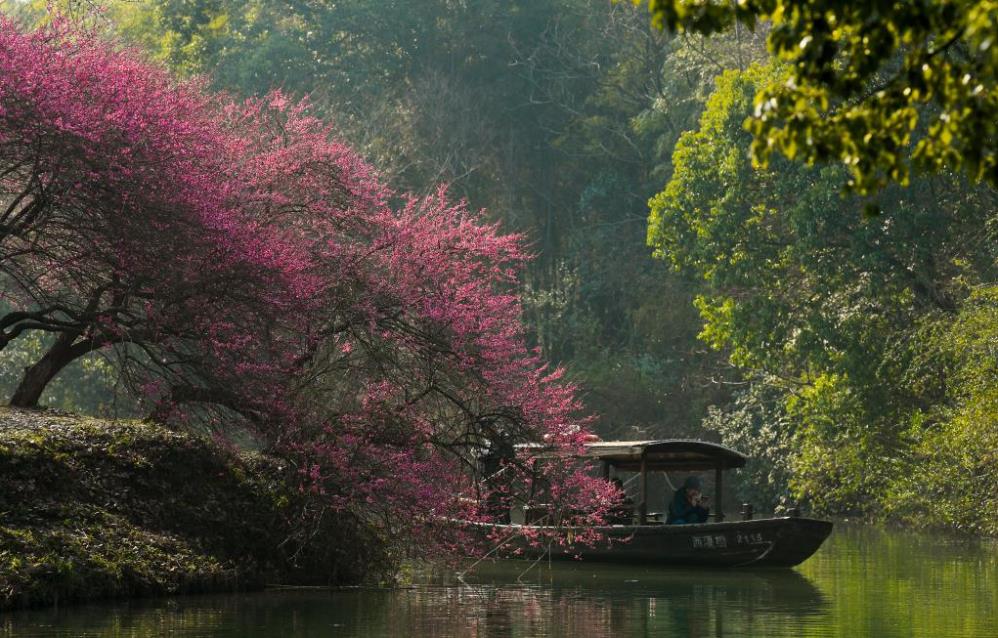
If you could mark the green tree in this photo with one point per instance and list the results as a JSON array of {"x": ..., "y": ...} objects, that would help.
[
  {"x": 954, "y": 474},
  {"x": 878, "y": 86},
  {"x": 806, "y": 294}
]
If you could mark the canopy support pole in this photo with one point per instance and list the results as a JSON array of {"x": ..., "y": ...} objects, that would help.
[
  {"x": 643, "y": 511},
  {"x": 718, "y": 493}
]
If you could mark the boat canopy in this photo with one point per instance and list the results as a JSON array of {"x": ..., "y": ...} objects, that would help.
[
  {"x": 660, "y": 455},
  {"x": 665, "y": 454}
]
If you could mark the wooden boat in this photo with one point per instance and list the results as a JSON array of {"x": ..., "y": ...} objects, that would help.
[{"x": 782, "y": 541}]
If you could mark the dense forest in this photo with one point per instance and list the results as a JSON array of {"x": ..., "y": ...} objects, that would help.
[{"x": 819, "y": 293}]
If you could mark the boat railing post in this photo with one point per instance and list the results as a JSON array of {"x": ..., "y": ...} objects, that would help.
[
  {"x": 643, "y": 509},
  {"x": 718, "y": 493}
]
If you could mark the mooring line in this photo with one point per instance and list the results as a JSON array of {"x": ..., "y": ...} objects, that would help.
[{"x": 461, "y": 574}]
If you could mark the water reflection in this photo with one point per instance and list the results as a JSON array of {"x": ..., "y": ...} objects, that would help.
[
  {"x": 863, "y": 583},
  {"x": 578, "y": 599},
  {"x": 566, "y": 600}
]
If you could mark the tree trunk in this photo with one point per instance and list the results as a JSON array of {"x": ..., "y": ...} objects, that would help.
[{"x": 37, "y": 377}]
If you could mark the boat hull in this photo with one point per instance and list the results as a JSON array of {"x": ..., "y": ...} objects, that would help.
[{"x": 770, "y": 542}]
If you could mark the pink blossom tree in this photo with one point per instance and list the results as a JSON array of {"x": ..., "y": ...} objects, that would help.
[
  {"x": 416, "y": 368},
  {"x": 114, "y": 222},
  {"x": 250, "y": 266}
]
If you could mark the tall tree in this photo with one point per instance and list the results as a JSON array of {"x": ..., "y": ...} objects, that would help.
[
  {"x": 877, "y": 86},
  {"x": 558, "y": 117},
  {"x": 806, "y": 294},
  {"x": 256, "y": 267}
]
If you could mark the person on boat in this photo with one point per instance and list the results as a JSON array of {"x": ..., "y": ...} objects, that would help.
[{"x": 688, "y": 505}]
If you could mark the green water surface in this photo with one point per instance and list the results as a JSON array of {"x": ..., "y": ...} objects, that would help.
[{"x": 863, "y": 582}]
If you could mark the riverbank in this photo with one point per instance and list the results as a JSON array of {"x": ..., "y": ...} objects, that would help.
[{"x": 95, "y": 509}]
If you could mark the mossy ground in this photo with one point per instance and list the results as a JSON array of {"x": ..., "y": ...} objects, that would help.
[{"x": 93, "y": 509}]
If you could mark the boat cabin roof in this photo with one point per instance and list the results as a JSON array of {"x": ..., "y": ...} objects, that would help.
[
  {"x": 665, "y": 454},
  {"x": 662, "y": 455}
]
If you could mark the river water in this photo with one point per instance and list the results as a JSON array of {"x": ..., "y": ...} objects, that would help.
[{"x": 863, "y": 582}]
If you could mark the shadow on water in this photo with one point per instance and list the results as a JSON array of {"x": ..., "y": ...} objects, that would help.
[
  {"x": 606, "y": 600},
  {"x": 864, "y": 582}
]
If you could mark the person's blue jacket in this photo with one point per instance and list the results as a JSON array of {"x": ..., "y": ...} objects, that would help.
[{"x": 681, "y": 511}]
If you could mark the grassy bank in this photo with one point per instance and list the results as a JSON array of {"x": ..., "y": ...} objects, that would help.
[{"x": 94, "y": 509}]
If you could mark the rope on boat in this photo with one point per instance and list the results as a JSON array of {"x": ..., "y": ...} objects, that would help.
[
  {"x": 629, "y": 481},
  {"x": 461, "y": 574},
  {"x": 547, "y": 553},
  {"x": 669, "y": 481}
]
